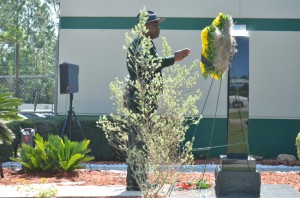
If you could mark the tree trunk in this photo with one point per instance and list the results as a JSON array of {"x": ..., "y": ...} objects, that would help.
[{"x": 1, "y": 170}]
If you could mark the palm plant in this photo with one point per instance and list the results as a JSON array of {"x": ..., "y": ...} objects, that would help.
[
  {"x": 54, "y": 155},
  {"x": 8, "y": 112}
]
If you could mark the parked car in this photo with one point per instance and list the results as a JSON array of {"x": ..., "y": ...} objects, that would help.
[
  {"x": 237, "y": 101},
  {"x": 28, "y": 115}
]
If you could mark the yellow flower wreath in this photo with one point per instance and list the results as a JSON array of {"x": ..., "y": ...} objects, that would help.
[{"x": 218, "y": 47}]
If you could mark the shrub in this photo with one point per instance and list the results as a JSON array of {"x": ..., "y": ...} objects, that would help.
[
  {"x": 298, "y": 145},
  {"x": 101, "y": 150},
  {"x": 54, "y": 155}
]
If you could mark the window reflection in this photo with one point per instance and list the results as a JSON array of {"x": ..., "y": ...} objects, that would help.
[{"x": 238, "y": 98}]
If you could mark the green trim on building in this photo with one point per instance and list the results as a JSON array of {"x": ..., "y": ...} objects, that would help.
[
  {"x": 252, "y": 24},
  {"x": 96, "y": 22},
  {"x": 209, "y": 132},
  {"x": 266, "y": 137},
  {"x": 270, "y": 137}
]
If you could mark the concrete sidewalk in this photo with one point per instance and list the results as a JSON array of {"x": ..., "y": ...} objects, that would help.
[{"x": 267, "y": 191}]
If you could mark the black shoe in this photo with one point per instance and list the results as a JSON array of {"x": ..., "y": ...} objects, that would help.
[
  {"x": 151, "y": 186},
  {"x": 133, "y": 188}
]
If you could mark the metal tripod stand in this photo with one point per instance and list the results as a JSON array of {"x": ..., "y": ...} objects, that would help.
[{"x": 68, "y": 120}]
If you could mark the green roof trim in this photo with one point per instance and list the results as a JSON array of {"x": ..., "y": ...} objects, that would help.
[{"x": 177, "y": 23}]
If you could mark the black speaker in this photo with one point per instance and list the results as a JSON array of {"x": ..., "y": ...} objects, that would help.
[{"x": 68, "y": 78}]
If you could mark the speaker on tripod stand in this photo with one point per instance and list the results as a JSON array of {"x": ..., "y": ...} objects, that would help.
[{"x": 69, "y": 85}]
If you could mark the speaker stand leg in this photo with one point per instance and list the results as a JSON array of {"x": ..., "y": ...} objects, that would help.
[
  {"x": 78, "y": 124},
  {"x": 68, "y": 120}
]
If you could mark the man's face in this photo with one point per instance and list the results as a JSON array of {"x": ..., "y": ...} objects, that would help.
[{"x": 153, "y": 28}]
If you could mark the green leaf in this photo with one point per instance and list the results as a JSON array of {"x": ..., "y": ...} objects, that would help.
[
  {"x": 74, "y": 161},
  {"x": 8, "y": 112}
]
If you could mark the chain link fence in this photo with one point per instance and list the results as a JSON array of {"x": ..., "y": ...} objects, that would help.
[{"x": 36, "y": 91}]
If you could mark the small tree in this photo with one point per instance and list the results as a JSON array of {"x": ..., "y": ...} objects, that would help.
[{"x": 160, "y": 130}]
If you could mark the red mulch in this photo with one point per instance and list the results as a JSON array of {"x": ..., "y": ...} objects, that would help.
[{"x": 100, "y": 178}]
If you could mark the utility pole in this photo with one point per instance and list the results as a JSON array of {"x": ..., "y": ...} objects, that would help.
[
  {"x": 17, "y": 50},
  {"x": 17, "y": 53}
]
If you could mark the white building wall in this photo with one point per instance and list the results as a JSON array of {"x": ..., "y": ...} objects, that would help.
[
  {"x": 274, "y": 56},
  {"x": 274, "y": 74},
  {"x": 101, "y": 59}
]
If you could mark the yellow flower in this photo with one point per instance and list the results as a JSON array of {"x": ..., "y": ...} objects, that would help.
[
  {"x": 202, "y": 68},
  {"x": 215, "y": 76},
  {"x": 204, "y": 38},
  {"x": 217, "y": 20},
  {"x": 204, "y": 35}
]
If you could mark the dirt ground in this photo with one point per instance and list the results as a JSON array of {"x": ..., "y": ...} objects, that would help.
[{"x": 99, "y": 177}]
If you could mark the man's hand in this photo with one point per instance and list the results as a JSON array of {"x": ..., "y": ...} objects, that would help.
[{"x": 181, "y": 54}]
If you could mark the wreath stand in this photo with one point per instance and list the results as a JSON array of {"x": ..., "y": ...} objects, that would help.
[{"x": 236, "y": 176}]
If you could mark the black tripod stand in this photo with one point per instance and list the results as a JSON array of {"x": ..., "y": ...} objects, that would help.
[{"x": 68, "y": 120}]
